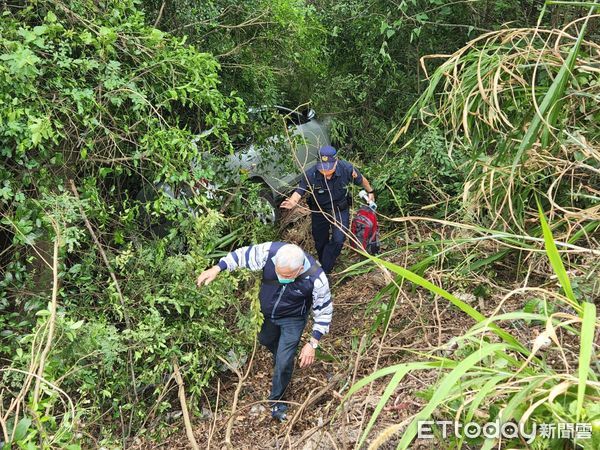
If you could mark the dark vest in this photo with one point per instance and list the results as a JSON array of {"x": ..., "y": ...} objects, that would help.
[{"x": 286, "y": 300}]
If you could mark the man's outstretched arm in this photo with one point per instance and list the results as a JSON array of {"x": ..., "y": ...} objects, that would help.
[
  {"x": 365, "y": 184},
  {"x": 253, "y": 257},
  {"x": 292, "y": 201},
  {"x": 360, "y": 180}
]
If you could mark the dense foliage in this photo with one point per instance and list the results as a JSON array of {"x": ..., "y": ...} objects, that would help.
[
  {"x": 92, "y": 94},
  {"x": 520, "y": 142},
  {"x": 270, "y": 51},
  {"x": 111, "y": 109},
  {"x": 511, "y": 142},
  {"x": 376, "y": 73}
]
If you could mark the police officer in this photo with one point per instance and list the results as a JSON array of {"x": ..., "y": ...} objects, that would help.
[{"x": 327, "y": 182}]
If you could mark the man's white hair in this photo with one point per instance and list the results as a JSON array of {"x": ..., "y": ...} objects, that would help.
[{"x": 289, "y": 256}]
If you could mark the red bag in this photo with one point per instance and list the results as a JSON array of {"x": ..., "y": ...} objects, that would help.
[{"x": 366, "y": 231}]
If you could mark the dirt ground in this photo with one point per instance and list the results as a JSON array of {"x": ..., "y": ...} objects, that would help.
[{"x": 318, "y": 419}]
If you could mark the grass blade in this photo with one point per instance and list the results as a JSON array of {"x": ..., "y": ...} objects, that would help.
[
  {"x": 444, "y": 388},
  {"x": 393, "y": 369},
  {"x": 549, "y": 108},
  {"x": 554, "y": 256},
  {"x": 398, "y": 376},
  {"x": 588, "y": 329},
  {"x": 465, "y": 307},
  {"x": 488, "y": 387},
  {"x": 511, "y": 408}
]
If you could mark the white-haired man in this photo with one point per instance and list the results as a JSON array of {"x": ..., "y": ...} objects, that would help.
[{"x": 292, "y": 283}]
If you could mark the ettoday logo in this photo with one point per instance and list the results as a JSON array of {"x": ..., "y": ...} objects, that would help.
[{"x": 507, "y": 430}]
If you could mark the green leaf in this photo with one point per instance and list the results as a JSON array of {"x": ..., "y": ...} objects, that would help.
[
  {"x": 473, "y": 267},
  {"x": 21, "y": 429},
  {"x": 509, "y": 411},
  {"x": 76, "y": 325},
  {"x": 390, "y": 370},
  {"x": 548, "y": 110},
  {"x": 104, "y": 171},
  {"x": 389, "y": 390},
  {"x": 465, "y": 307},
  {"x": 40, "y": 128},
  {"x": 50, "y": 17},
  {"x": 444, "y": 388},
  {"x": 588, "y": 329},
  {"x": 554, "y": 256}
]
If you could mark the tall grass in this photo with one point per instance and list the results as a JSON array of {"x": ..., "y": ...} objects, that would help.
[
  {"x": 512, "y": 375},
  {"x": 522, "y": 104}
]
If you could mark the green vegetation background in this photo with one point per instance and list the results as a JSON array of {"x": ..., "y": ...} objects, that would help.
[{"x": 110, "y": 94}]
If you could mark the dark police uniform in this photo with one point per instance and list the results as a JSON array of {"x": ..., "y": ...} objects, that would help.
[{"x": 326, "y": 199}]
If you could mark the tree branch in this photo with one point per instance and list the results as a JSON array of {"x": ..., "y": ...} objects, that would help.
[{"x": 189, "y": 431}]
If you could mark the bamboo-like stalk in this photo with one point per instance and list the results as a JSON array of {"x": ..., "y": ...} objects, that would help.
[
  {"x": 189, "y": 431},
  {"x": 241, "y": 379},
  {"x": 52, "y": 318}
]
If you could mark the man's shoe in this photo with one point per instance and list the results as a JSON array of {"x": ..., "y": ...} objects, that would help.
[{"x": 278, "y": 412}]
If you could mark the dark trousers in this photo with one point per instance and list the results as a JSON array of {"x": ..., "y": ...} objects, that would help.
[
  {"x": 329, "y": 238},
  {"x": 281, "y": 337}
]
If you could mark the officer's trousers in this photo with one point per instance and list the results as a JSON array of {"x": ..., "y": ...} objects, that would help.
[{"x": 329, "y": 237}]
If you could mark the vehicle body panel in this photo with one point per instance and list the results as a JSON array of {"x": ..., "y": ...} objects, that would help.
[{"x": 281, "y": 160}]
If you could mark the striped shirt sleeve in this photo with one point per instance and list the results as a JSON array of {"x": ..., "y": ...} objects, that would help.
[
  {"x": 253, "y": 257},
  {"x": 322, "y": 306}
]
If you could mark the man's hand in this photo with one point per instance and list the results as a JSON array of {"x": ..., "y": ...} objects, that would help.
[
  {"x": 291, "y": 202},
  {"x": 288, "y": 204},
  {"x": 367, "y": 187},
  {"x": 307, "y": 355},
  {"x": 208, "y": 276}
]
